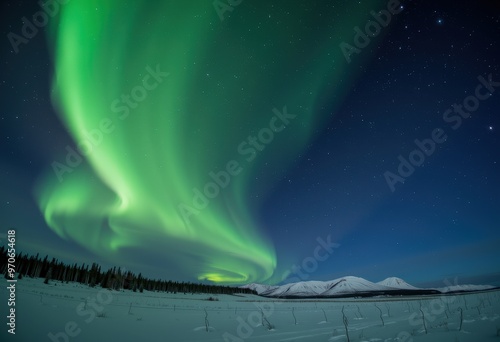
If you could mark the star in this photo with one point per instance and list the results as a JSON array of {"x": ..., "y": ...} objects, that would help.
[
  {"x": 440, "y": 21},
  {"x": 490, "y": 128}
]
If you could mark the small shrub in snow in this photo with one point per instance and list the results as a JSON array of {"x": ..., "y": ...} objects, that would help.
[{"x": 102, "y": 314}]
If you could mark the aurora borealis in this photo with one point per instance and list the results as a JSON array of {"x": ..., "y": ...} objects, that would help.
[
  {"x": 164, "y": 145},
  {"x": 221, "y": 150}
]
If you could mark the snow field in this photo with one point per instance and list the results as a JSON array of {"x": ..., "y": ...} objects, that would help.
[{"x": 74, "y": 312}]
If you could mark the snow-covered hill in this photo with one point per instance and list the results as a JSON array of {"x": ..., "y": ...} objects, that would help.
[
  {"x": 259, "y": 288},
  {"x": 397, "y": 283},
  {"x": 337, "y": 287},
  {"x": 355, "y": 286},
  {"x": 300, "y": 289},
  {"x": 464, "y": 288}
]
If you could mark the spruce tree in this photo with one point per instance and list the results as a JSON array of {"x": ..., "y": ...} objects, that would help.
[{"x": 48, "y": 275}]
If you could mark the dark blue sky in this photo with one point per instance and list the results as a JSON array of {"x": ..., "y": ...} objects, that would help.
[{"x": 441, "y": 223}]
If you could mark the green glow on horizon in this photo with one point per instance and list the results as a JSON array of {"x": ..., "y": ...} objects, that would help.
[{"x": 127, "y": 193}]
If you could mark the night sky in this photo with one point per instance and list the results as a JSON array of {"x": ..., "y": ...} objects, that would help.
[{"x": 228, "y": 143}]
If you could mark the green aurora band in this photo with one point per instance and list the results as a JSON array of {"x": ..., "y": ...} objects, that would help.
[{"x": 225, "y": 78}]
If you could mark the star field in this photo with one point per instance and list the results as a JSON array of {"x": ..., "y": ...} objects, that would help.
[{"x": 211, "y": 86}]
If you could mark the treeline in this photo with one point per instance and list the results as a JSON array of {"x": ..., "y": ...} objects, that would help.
[{"x": 92, "y": 275}]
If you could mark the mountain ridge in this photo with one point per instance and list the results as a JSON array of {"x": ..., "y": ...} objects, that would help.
[{"x": 350, "y": 286}]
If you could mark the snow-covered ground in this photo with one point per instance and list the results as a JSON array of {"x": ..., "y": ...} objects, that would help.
[{"x": 73, "y": 312}]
